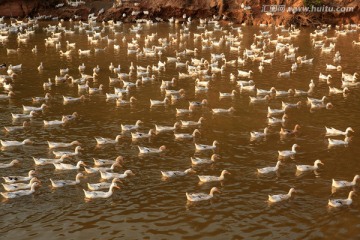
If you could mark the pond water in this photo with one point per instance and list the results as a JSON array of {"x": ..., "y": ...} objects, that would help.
[{"x": 150, "y": 207}]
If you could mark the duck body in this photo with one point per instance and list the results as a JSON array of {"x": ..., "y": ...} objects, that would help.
[
  {"x": 204, "y": 178},
  {"x": 10, "y": 164},
  {"x": 101, "y": 185},
  {"x": 341, "y": 184},
  {"x": 304, "y": 168},
  {"x": 108, "y": 175},
  {"x": 196, "y": 197},
  {"x": 202, "y": 161},
  {"x": 67, "y": 153},
  {"x": 66, "y": 166},
  {"x": 61, "y": 144},
  {"x": 100, "y": 194},
  {"x": 337, "y": 142},
  {"x": 288, "y": 153},
  {"x": 203, "y": 147},
  {"x": 103, "y": 141},
  {"x": 102, "y": 162},
  {"x": 335, "y": 132},
  {"x": 19, "y": 186},
  {"x": 48, "y": 161},
  {"x": 63, "y": 183},
  {"x": 14, "y": 179},
  {"x": 147, "y": 150},
  {"x": 170, "y": 174},
  {"x": 341, "y": 202},
  {"x": 5, "y": 143},
  {"x": 281, "y": 197},
  {"x": 20, "y": 193},
  {"x": 269, "y": 169}
]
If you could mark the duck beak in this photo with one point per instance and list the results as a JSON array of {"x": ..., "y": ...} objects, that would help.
[{"x": 117, "y": 187}]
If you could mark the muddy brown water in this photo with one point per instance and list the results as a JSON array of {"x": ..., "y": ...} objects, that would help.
[{"x": 149, "y": 207}]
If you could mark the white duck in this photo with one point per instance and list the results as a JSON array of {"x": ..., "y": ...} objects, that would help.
[
  {"x": 196, "y": 197},
  {"x": 227, "y": 95},
  {"x": 21, "y": 116},
  {"x": 103, "y": 141},
  {"x": 63, "y": 183},
  {"x": 53, "y": 123},
  {"x": 289, "y": 153},
  {"x": 192, "y": 123},
  {"x": 102, "y": 169},
  {"x": 200, "y": 161},
  {"x": 25, "y": 125},
  {"x": 13, "y": 179},
  {"x": 62, "y": 144},
  {"x": 341, "y": 184},
  {"x": 269, "y": 169},
  {"x": 67, "y": 100},
  {"x": 265, "y": 92},
  {"x": 255, "y": 134},
  {"x": 273, "y": 112},
  {"x": 10, "y": 164},
  {"x": 102, "y": 162},
  {"x": 5, "y": 143},
  {"x": 48, "y": 161},
  {"x": 170, "y": 174},
  {"x": 20, "y": 192},
  {"x": 66, "y": 166},
  {"x": 131, "y": 127},
  {"x": 186, "y": 135},
  {"x": 102, "y": 185},
  {"x": 99, "y": 194},
  {"x": 336, "y": 142},
  {"x": 303, "y": 168},
  {"x": 335, "y": 132},
  {"x": 222, "y": 110},
  {"x": 19, "y": 186},
  {"x": 274, "y": 121},
  {"x": 203, "y": 147},
  {"x": 67, "y": 153},
  {"x": 139, "y": 135},
  {"x": 160, "y": 129},
  {"x": 110, "y": 175},
  {"x": 204, "y": 178},
  {"x": 32, "y": 108},
  {"x": 154, "y": 103},
  {"x": 281, "y": 197},
  {"x": 264, "y": 99},
  {"x": 334, "y": 90},
  {"x": 147, "y": 150},
  {"x": 7, "y": 96},
  {"x": 341, "y": 202}
]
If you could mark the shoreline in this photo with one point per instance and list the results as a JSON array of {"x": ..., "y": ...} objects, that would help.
[{"x": 161, "y": 10}]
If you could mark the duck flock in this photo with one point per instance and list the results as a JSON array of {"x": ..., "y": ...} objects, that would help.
[{"x": 122, "y": 83}]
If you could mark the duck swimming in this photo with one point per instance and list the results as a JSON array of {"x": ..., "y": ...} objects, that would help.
[
  {"x": 196, "y": 197},
  {"x": 170, "y": 174},
  {"x": 281, "y": 197},
  {"x": 10, "y": 164},
  {"x": 15, "y": 143},
  {"x": 102, "y": 185},
  {"x": 341, "y": 184},
  {"x": 341, "y": 202},
  {"x": 63, "y": 183},
  {"x": 201, "y": 161},
  {"x": 20, "y": 192},
  {"x": 19, "y": 186},
  {"x": 98, "y": 194},
  {"x": 304, "y": 168},
  {"x": 213, "y": 178},
  {"x": 14, "y": 179},
  {"x": 147, "y": 150},
  {"x": 269, "y": 169},
  {"x": 109, "y": 175}
]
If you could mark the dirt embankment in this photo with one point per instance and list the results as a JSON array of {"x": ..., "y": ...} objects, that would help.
[{"x": 249, "y": 11}]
